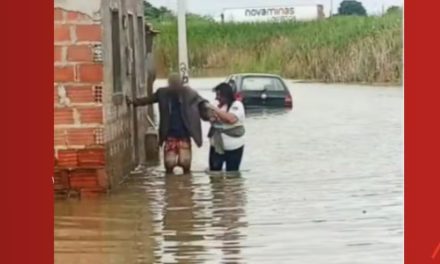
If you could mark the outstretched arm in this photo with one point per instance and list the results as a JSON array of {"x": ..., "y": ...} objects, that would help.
[
  {"x": 204, "y": 107},
  {"x": 142, "y": 101}
]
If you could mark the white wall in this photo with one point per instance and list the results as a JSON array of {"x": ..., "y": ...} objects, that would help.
[{"x": 263, "y": 14}]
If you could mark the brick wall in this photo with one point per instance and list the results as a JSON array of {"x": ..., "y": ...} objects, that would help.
[
  {"x": 78, "y": 109},
  {"x": 94, "y": 128}
]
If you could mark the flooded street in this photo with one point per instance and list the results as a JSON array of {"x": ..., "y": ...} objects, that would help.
[{"x": 320, "y": 184}]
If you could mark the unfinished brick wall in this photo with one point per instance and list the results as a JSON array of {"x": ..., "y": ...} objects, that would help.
[
  {"x": 95, "y": 130},
  {"x": 78, "y": 109}
]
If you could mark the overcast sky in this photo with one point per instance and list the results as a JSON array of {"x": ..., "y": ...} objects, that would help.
[{"x": 215, "y": 7}]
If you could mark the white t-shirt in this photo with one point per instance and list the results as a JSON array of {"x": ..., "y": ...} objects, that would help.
[{"x": 232, "y": 143}]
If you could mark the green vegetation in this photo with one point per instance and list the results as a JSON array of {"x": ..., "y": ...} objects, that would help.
[
  {"x": 156, "y": 13},
  {"x": 338, "y": 49},
  {"x": 164, "y": 15},
  {"x": 394, "y": 9},
  {"x": 351, "y": 7}
]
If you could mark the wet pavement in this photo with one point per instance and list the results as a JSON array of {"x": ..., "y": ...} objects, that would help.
[{"x": 320, "y": 184}]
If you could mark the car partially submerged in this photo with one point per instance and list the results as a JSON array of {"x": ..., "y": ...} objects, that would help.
[{"x": 260, "y": 90}]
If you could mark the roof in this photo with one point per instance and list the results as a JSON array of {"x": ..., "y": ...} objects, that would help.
[{"x": 257, "y": 74}]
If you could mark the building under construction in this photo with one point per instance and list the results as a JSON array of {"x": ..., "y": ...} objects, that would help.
[{"x": 101, "y": 55}]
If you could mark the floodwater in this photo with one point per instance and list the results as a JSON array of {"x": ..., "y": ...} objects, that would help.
[{"x": 321, "y": 184}]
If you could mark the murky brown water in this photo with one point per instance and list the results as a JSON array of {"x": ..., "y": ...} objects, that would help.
[{"x": 322, "y": 184}]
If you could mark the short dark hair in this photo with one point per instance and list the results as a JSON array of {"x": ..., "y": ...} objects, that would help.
[{"x": 226, "y": 91}]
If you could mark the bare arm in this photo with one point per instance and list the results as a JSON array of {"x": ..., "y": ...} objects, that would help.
[{"x": 225, "y": 117}]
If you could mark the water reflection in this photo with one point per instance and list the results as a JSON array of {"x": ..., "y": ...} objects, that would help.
[
  {"x": 322, "y": 184},
  {"x": 181, "y": 221},
  {"x": 201, "y": 219},
  {"x": 266, "y": 112},
  {"x": 229, "y": 215},
  {"x": 105, "y": 230}
]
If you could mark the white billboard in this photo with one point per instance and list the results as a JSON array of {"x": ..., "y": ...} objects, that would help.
[{"x": 268, "y": 14}]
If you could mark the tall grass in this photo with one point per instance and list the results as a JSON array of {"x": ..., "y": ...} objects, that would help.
[{"x": 339, "y": 49}]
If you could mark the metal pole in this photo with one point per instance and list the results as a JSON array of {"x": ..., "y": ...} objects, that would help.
[
  {"x": 331, "y": 8},
  {"x": 183, "y": 49}
]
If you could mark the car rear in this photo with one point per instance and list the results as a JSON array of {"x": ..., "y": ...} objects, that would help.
[{"x": 268, "y": 91}]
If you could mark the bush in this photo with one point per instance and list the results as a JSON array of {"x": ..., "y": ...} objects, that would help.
[
  {"x": 394, "y": 9},
  {"x": 351, "y": 7}
]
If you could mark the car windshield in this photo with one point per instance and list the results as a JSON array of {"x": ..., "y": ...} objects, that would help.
[{"x": 261, "y": 83}]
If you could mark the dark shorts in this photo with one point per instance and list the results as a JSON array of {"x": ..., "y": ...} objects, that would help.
[{"x": 232, "y": 158}]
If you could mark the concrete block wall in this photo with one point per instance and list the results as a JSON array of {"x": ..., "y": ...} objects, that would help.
[{"x": 118, "y": 124}]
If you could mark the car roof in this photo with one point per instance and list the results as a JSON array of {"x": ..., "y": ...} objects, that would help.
[{"x": 256, "y": 74}]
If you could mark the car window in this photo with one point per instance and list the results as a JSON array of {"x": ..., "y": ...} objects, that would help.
[
  {"x": 233, "y": 83},
  {"x": 259, "y": 83}
]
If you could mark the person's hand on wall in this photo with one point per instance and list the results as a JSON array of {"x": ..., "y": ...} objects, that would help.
[{"x": 129, "y": 101}]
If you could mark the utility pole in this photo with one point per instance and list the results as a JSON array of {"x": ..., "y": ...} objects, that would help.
[
  {"x": 183, "y": 49},
  {"x": 331, "y": 8}
]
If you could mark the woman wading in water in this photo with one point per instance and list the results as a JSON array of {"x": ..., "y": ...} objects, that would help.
[{"x": 227, "y": 130}]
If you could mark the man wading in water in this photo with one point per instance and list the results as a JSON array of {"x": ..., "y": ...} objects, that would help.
[{"x": 180, "y": 110}]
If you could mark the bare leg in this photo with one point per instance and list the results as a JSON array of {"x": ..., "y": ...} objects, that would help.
[
  {"x": 185, "y": 156},
  {"x": 170, "y": 161}
]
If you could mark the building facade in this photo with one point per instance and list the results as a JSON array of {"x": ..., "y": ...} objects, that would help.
[{"x": 100, "y": 56}]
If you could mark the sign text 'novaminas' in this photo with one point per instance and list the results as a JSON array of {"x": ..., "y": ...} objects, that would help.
[{"x": 285, "y": 11}]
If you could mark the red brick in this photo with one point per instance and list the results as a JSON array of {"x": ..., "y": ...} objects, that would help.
[
  {"x": 55, "y": 95},
  {"x": 67, "y": 158},
  {"x": 91, "y": 157},
  {"x": 80, "y": 94},
  {"x": 64, "y": 74},
  {"x": 61, "y": 179},
  {"x": 88, "y": 33},
  {"x": 63, "y": 116},
  {"x": 102, "y": 178},
  {"x": 77, "y": 17},
  {"x": 80, "y": 136},
  {"x": 92, "y": 192},
  {"x": 81, "y": 178},
  {"x": 58, "y": 14},
  {"x": 79, "y": 53},
  {"x": 57, "y": 53},
  {"x": 90, "y": 115},
  {"x": 79, "y": 183},
  {"x": 60, "y": 137},
  {"x": 90, "y": 72},
  {"x": 82, "y": 173},
  {"x": 61, "y": 32}
]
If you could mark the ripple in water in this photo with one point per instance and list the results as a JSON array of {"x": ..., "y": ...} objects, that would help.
[{"x": 321, "y": 184}]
